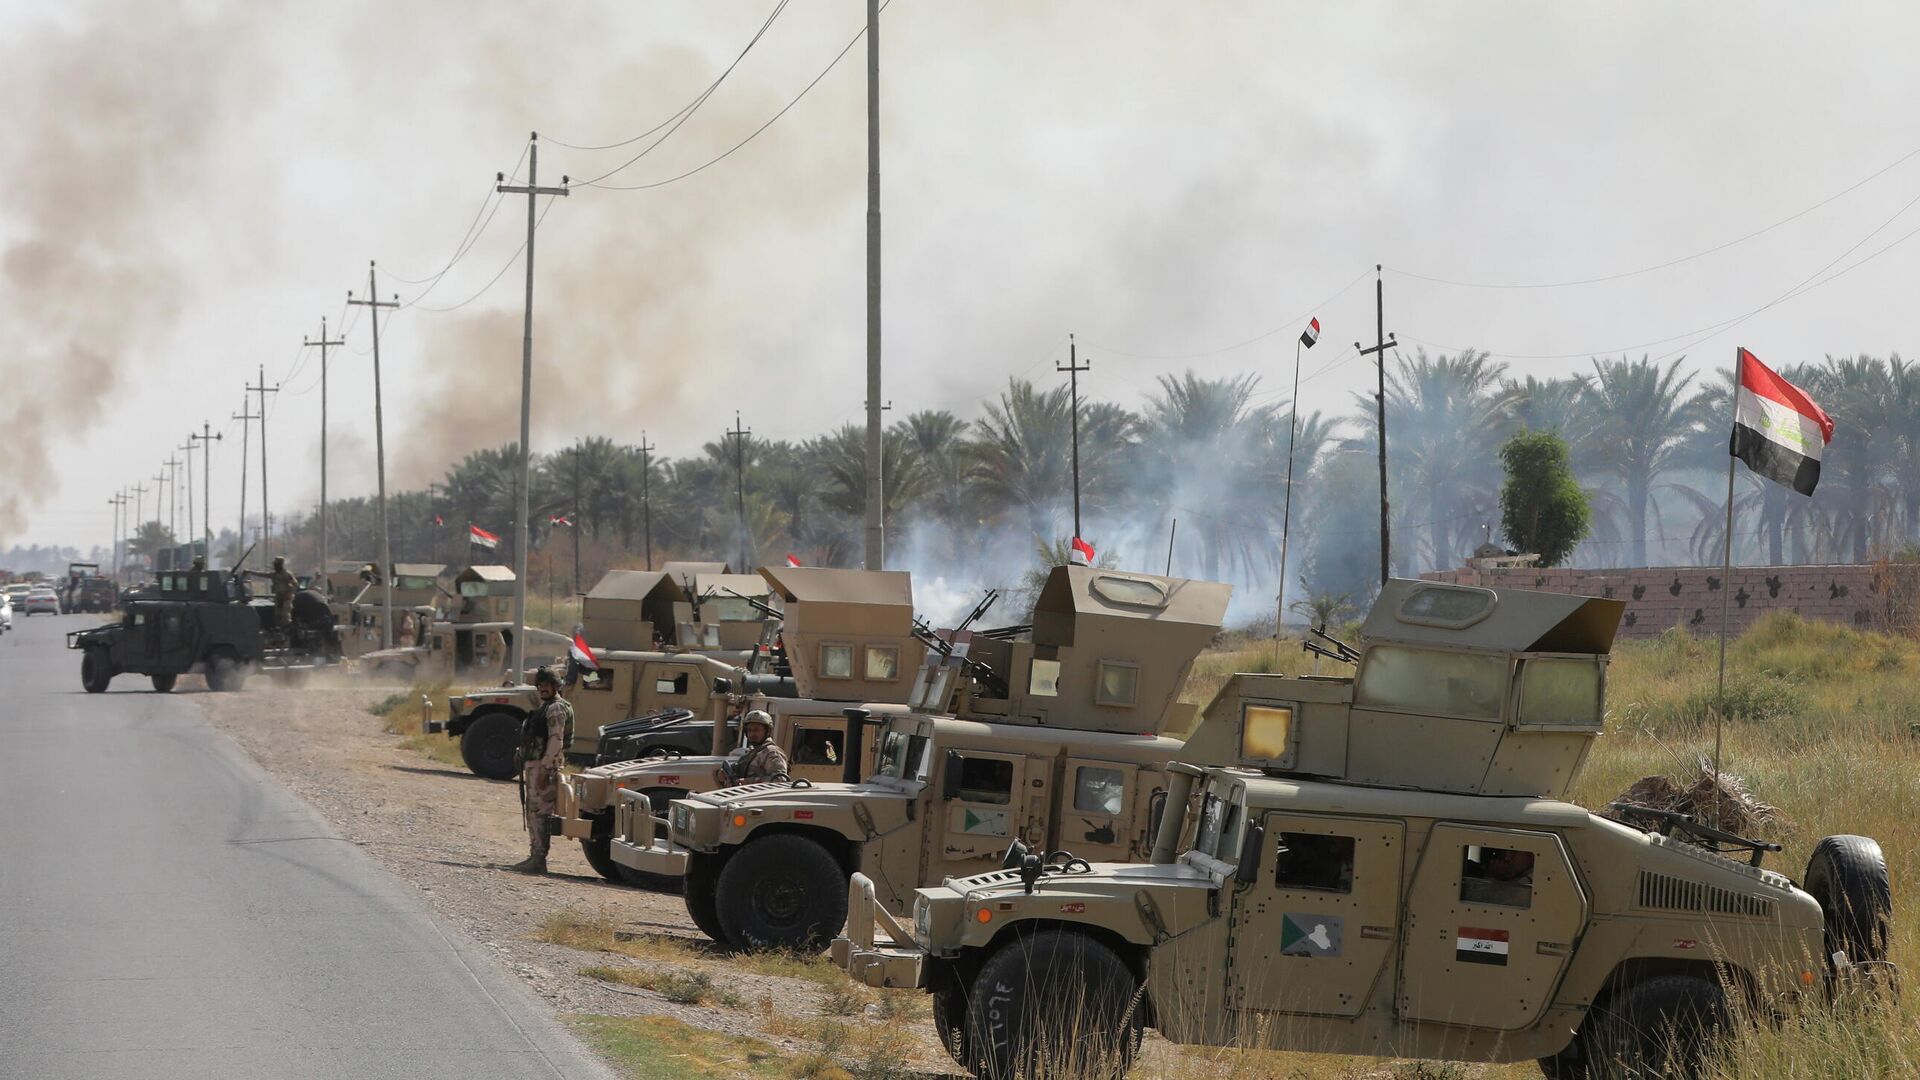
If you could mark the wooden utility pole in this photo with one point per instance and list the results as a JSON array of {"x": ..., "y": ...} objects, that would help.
[
  {"x": 876, "y": 486},
  {"x": 1383, "y": 341},
  {"x": 173, "y": 496},
  {"x": 188, "y": 450},
  {"x": 159, "y": 497},
  {"x": 739, "y": 435},
  {"x": 206, "y": 438},
  {"x": 266, "y": 514},
  {"x": 373, "y": 304},
  {"x": 575, "y": 526},
  {"x": 324, "y": 345},
  {"x": 139, "y": 509},
  {"x": 646, "y": 494},
  {"x": 119, "y": 502},
  {"x": 523, "y": 477},
  {"x": 240, "y": 532},
  {"x": 1073, "y": 370}
]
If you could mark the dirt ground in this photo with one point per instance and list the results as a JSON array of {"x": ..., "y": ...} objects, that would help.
[{"x": 447, "y": 831}]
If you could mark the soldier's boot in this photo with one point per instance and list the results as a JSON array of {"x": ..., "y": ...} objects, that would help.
[{"x": 532, "y": 864}]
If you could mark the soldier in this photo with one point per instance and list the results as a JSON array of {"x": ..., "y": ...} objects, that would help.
[
  {"x": 542, "y": 749},
  {"x": 763, "y": 760},
  {"x": 199, "y": 562},
  {"x": 284, "y": 586}
]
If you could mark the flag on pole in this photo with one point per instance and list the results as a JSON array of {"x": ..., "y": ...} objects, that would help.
[
  {"x": 791, "y": 561},
  {"x": 582, "y": 654},
  {"x": 1081, "y": 554},
  {"x": 438, "y": 520},
  {"x": 1777, "y": 429},
  {"x": 480, "y": 536},
  {"x": 1312, "y": 333},
  {"x": 560, "y": 519}
]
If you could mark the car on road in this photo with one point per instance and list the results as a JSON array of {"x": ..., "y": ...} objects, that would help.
[
  {"x": 6, "y": 613},
  {"x": 42, "y": 600}
]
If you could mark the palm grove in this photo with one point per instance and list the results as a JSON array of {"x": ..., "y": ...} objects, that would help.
[{"x": 983, "y": 501}]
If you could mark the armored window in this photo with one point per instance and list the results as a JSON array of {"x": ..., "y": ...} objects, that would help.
[
  {"x": 1207, "y": 833},
  {"x": 590, "y": 679},
  {"x": 1266, "y": 732},
  {"x": 1132, "y": 591},
  {"x": 473, "y": 588},
  {"x": 1314, "y": 861},
  {"x": 728, "y": 609},
  {"x": 1099, "y": 791},
  {"x": 1045, "y": 679},
  {"x": 1560, "y": 692},
  {"x": 818, "y": 746},
  {"x": 1228, "y": 848},
  {"x": 138, "y": 619},
  {"x": 985, "y": 780},
  {"x": 883, "y": 662},
  {"x": 1118, "y": 683},
  {"x": 670, "y": 684},
  {"x": 1448, "y": 607},
  {"x": 1428, "y": 680},
  {"x": 836, "y": 661},
  {"x": 1499, "y": 876}
]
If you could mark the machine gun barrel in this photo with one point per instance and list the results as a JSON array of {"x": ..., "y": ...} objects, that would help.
[
  {"x": 760, "y": 606},
  {"x": 1341, "y": 650}
]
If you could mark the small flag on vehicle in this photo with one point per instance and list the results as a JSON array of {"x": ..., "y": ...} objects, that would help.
[
  {"x": 581, "y": 653},
  {"x": 1777, "y": 429},
  {"x": 1081, "y": 553},
  {"x": 1312, "y": 333},
  {"x": 791, "y": 561},
  {"x": 560, "y": 519},
  {"x": 480, "y": 536}
]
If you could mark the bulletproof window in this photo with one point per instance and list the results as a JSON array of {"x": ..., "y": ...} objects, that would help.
[
  {"x": 1266, "y": 732},
  {"x": 985, "y": 780},
  {"x": 728, "y": 609},
  {"x": 1499, "y": 876},
  {"x": 1045, "y": 679},
  {"x": 1448, "y": 607},
  {"x": 836, "y": 661},
  {"x": 589, "y": 679},
  {"x": 1228, "y": 849},
  {"x": 1117, "y": 683},
  {"x": 670, "y": 684},
  {"x": 1133, "y": 591},
  {"x": 412, "y": 582},
  {"x": 1207, "y": 834},
  {"x": 1314, "y": 861},
  {"x": 473, "y": 588},
  {"x": 1429, "y": 680},
  {"x": 883, "y": 662},
  {"x": 818, "y": 746},
  {"x": 1099, "y": 791},
  {"x": 1560, "y": 692},
  {"x": 138, "y": 618}
]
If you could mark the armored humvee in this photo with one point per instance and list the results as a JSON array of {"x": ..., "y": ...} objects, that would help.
[
  {"x": 1384, "y": 865},
  {"x": 205, "y": 621},
  {"x": 86, "y": 590},
  {"x": 357, "y": 595},
  {"x": 1059, "y": 739}
]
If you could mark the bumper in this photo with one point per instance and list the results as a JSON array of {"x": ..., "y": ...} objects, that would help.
[
  {"x": 639, "y": 841},
  {"x": 899, "y": 962}
]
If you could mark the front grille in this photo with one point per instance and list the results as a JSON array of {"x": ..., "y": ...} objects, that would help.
[{"x": 1664, "y": 893}]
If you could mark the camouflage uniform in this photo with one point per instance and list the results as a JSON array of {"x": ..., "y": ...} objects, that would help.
[
  {"x": 761, "y": 764},
  {"x": 284, "y": 586},
  {"x": 540, "y": 777}
]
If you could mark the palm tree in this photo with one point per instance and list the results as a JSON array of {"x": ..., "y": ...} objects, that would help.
[
  {"x": 1856, "y": 493},
  {"x": 1211, "y": 456},
  {"x": 1019, "y": 456},
  {"x": 1644, "y": 422}
]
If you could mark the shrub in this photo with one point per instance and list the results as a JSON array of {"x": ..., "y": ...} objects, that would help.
[{"x": 1759, "y": 697}]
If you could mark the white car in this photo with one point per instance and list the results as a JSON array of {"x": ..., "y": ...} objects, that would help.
[
  {"x": 42, "y": 600},
  {"x": 6, "y": 613}
]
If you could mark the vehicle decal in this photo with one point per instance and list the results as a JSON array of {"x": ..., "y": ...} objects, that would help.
[
  {"x": 1310, "y": 934},
  {"x": 1074, "y": 908},
  {"x": 803, "y": 815},
  {"x": 1685, "y": 943},
  {"x": 981, "y": 821},
  {"x": 1478, "y": 945}
]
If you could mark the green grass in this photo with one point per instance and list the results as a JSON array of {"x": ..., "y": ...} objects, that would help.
[
  {"x": 401, "y": 711},
  {"x": 662, "y": 1048}
]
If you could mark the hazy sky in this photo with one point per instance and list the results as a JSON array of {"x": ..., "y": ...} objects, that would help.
[{"x": 191, "y": 188}]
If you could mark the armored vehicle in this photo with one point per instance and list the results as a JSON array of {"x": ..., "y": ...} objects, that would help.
[
  {"x": 1060, "y": 739},
  {"x": 205, "y": 621},
  {"x": 1385, "y": 865},
  {"x": 86, "y": 590}
]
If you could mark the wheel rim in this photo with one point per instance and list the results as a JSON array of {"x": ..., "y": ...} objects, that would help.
[{"x": 780, "y": 903}]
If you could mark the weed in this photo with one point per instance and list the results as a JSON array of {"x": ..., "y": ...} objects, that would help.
[
  {"x": 684, "y": 987},
  {"x": 847, "y": 999},
  {"x": 1759, "y": 697}
]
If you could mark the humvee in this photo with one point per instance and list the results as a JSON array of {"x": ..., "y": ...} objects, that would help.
[
  {"x": 1385, "y": 865},
  {"x": 86, "y": 590},
  {"x": 358, "y": 599},
  {"x": 1060, "y": 739},
  {"x": 205, "y": 621}
]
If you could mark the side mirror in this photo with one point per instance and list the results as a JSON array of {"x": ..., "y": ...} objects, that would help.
[
  {"x": 1250, "y": 847},
  {"x": 950, "y": 780}
]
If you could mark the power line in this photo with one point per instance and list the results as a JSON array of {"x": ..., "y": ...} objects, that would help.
[
  {"x": 517, "y": 252},
  {"x": 1849, "y": 189}
]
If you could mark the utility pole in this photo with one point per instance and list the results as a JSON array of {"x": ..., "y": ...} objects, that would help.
[
  {"x": 1073, "y": 370},
  {"x": 246, "y": 417},
  {"x": 206, "y": 439},
  {"x": 266, "y": 515},
  {"x": 324, "y": 345},
  {"x": 139, "y": 512},
  {"x": 576, "y": 534},
  {"x": 173, "y": 495},
  {"x": 523, "y": 478},
  {"x": 159, "y": 490},
  {"x": 373, "y": 304},
  {"x": 188, "y": 450},
  {"x": 119, "y": 502},
  {"x": 646, "y": 493},
  {"x": 876, "y": 487},
  {"x": 739, "y": 436},
  {"x": 433, "y": 529},
  {"x": 1383, "y": 342}
]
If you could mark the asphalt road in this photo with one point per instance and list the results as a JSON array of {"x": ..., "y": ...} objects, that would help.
[{"x": 168, "y": 910}]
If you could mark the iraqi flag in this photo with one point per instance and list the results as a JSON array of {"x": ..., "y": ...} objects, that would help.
[
  {"x": 581, "y": 653},
  {"x": 560, "y": 519},
  {"x": 478, "y": 535},
  {"x": 1480, "y": 945},
  {"x": 791, "y": 561},
  {"x": 1312, "y": 333},
  {"x": 1081, "y": 553},
  {"x": 1777, "y": 429}
]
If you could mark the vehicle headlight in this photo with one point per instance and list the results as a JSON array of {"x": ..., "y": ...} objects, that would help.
[{"x": 681, "y": 818}]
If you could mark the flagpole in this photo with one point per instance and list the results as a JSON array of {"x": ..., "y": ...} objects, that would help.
[
  {"x": 1286, "y": 510},
  {"x": 1726, "y": 588}
]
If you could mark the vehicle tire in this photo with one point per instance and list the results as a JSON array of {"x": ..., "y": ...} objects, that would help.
[
  {"x": 783, "y": 891},
  {"x": 1664, "y": 1026},
  {"x": 163, "y": 684},
  {"x": 96, "y": 670},
  {"x": 1053, "y": 1002},
  {"x": 225, "y": 673},
  {"x": 950, "y": 1020},
  {"x": 698, "y": 889},
  {"x": 490, "y": 745},
  {"x": 599, "y": 855},
  {"x": 1848, "y": 875}
]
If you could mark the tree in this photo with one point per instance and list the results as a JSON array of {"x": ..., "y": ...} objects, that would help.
[
  {"x": 1645, "y": 421},
  {"x": 1542, "y": 508}
]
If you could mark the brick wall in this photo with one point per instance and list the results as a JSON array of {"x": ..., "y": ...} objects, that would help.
[{"x": 1662, "y": 596}]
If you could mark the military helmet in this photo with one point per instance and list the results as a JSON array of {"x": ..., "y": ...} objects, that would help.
[
  {"x": 757, "y": 716},
  {"x": 279, "y": 562}
]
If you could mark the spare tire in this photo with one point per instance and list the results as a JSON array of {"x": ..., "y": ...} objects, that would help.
[
  {"x": 490, "y": 746},
  {"x": 1848, "y": 875}
]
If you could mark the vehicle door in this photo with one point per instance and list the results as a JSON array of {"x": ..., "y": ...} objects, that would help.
[
  {"x": 981, "y": 809},
  {"x": 176, "y": 639},
  {"x": 1491, "y": 920},
  {"x": 816, "y": 748},
  {"x": 1317, "y": 927},
  {"x": 1095, "y": 815}
]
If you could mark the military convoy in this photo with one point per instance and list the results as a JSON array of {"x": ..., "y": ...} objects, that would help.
[
  {"x": 1061, "y": 738},
  {"x": 1384, "y": 864},
  {"x": 86, "y": 589}
]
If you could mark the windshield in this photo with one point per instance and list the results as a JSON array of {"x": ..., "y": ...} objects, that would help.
[
  {"x": 473, "y": 588},
  {"x": 1208, "y": 835},
  {"x": 902, "y": 756},
  {"x": 728, "y": 609}
]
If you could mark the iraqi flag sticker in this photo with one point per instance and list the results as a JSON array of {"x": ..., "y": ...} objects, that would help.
[{"x": 1476, "y": 945}]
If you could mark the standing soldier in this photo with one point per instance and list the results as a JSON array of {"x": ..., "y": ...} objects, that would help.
[
  {"x": 763, "y": 761},
  {"x": 543, "y": 746}
]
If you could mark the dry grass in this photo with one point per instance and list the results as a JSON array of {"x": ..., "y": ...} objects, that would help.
[{"x": 401, "y": 710}]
